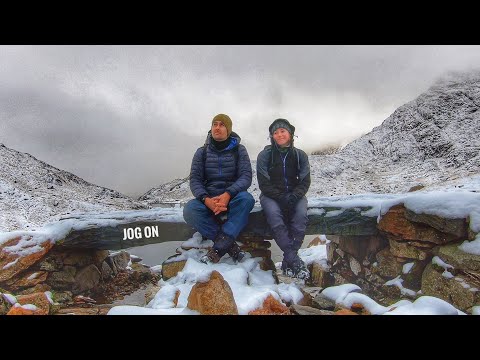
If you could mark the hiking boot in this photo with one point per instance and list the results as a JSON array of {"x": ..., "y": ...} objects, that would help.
[
  {"x": 223, "y": 243},
  {"x": 296, "y": 270},
  {"x": 211, "y": 257},
  {"x": 300, "y": 271},
  {"x": 235, "y": 252}
]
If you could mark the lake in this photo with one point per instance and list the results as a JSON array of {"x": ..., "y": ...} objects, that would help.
[{"x": 156, "y": 254}]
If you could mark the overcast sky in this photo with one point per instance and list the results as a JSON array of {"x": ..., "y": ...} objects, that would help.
[{"x": 131, "y": 117}]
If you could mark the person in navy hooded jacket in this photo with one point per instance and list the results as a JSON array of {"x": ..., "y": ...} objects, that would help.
[
  {"x": 220, "y": 175},
  {"x": 283, "y": 173}
]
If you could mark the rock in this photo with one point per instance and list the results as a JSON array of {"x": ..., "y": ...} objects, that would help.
[
  {"x": 267, "y": 264},
  {"x": 355, "y": 266},
  {"x": 52, "y": 262},
  {"x": 322, "y": 303},
  {"x": 175, "y": 299},
  {"x": 171, "y": 269},
  {"x": 62, "y": 280},
  {"x": 359, "y": 309},
  {"x": 376, "y": 279},
  {"x": 27, "y": 279},
  {"x": 348, "y": 222},
  {"x": 91, "y": 310},
  {"x": 106, "y": 271},
  {"x": 306, "y": 300},
  {"x": 331, "y": 254},
  {"x": 14, "y": 310},
  {"x": 262, "y": 245},
  {"x": 395, "y": 222},
  {"x": 11, "y": 264},
  {"x": 344, "y": 312},
  {"x": 455, "y": 292},
  {"x": 339, "y": 279},
  {"x": 120, "y": 260},
  {"x": 320, "y": 276},
  {"x": 456, "y": 227},
  {"x": 213, "y": 297},
  {"x": 62, "y": 296},
  {"x": 316, "y": 241},
  {"x": 271, "y": 306},
  {"x": 313, "y": 291},
  {"x": 150, "y": 292},
  {"x": 80, "y": 299},
  {"x": 471, "y": 235},
  {"x": 460, "y": 260},
  {"x": 390, "y": 291},
  {"x": 307, "y": 310},
  {"x": 99, "y": 256},
  {"x": 416, "y": 188},
  {"x": 135, "y": 259},
  {"x": 4, "y": 305},
  {"x": 79, "y": 258},
  {"x": 86, "y": 279},
  {"x": 40, "y": 300},
  {"x": 413, "y": 279},
  {"x": 403, "y": 250},
  {"x": 361, "y": 247},
  {"x": 387, "y": 265},
  {"x": 37, "y": 288},
  {"x": 260, "y": 253}
]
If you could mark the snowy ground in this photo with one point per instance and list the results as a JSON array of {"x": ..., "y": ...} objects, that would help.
[{"x": 251, "y": 286}]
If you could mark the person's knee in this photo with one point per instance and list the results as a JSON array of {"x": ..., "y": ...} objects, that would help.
[
  {"x": 246, "y": 198},
  {"x": 189, "y": 209}
]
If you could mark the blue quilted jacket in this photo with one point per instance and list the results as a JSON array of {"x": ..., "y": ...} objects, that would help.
[{"x": 220, "y": 171}]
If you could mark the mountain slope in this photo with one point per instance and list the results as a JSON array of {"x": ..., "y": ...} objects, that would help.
[{"x": 33, "y": 192}]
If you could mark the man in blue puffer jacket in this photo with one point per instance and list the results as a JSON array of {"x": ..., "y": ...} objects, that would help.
[{"x": 220, "y": 175}]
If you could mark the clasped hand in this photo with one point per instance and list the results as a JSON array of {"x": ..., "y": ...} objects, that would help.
[{"x": 218, "y": 203}]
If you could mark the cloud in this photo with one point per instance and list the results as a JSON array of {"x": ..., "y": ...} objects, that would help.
[{"x": 130, "y": 117}]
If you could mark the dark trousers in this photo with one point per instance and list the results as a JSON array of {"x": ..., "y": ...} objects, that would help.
[
  {"x": 288, "y": 226},
  {"x": 201, "y": 218}
]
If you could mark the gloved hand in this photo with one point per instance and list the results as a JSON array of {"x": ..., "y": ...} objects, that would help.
[
  {"x": 292, "y": 200},
  {"x": 288, "y": 201}
]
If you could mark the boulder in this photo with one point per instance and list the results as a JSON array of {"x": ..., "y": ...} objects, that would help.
[
  {"x": 395, "y": 222},
  {"x": 456, "y": 227},
  {"x": 86, "y": 279},
  {"x": 457, "y": 293},
  {"x": 271, "y": 306},
  {"x": 214, "y": 297},
  {"x": 386, "y": 265},
  {"x": 459, "y": 259},
  {"x": 403, "y": 250},
  {"x": 171, "y": 269},
  {"x": 40, "y": 300},
  {"x": 307, "y": 310},
  {"x": 319, "y": 276},
  {"x": 12, "y": 264}
]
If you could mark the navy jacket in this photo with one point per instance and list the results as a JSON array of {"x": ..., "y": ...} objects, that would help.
[
  {"x": 279, "y": 175},
  {"x": 221, "y": 171}
]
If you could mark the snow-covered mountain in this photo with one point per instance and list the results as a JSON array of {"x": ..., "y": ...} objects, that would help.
[
  {"x": 428, "y": 141},
  {"x": 33, "y": 192},
  {"x": 171, "y": 192}
]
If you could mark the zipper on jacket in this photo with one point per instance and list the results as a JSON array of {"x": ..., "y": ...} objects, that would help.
[
  {"x": 219, "y": 163},
  {"x": 284, "y": 160}
]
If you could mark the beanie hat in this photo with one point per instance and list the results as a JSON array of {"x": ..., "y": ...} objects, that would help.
[
  {"x": 281, "y": 123},
  {"x": 225, "y": 119}
]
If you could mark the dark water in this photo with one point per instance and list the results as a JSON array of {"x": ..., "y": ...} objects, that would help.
[{"x": 156, "y": 254}]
